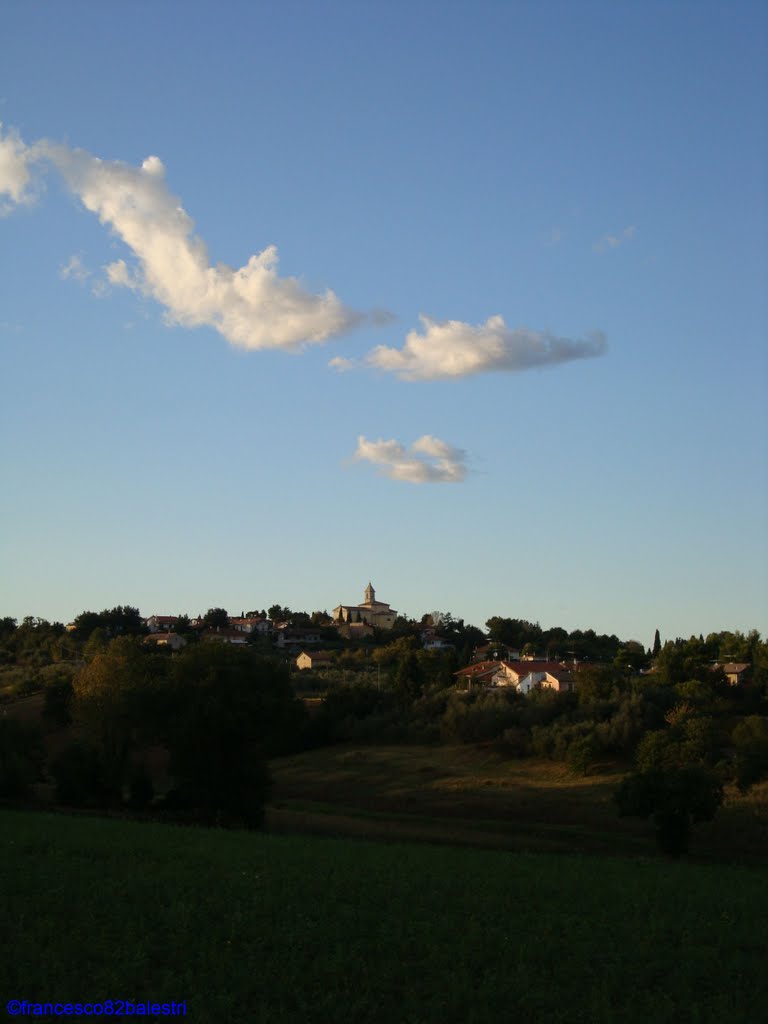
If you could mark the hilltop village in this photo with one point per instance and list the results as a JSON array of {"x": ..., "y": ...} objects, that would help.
[{"x": 183, "y": 714}]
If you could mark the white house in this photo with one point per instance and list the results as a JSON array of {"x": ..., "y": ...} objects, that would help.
[{"x": 523, "y": 676}]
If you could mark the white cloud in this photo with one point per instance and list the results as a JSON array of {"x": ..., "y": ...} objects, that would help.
[
  {"x": 15, "y": 177},
  {"x": 614, "y": 241},
  {"x": 252, "y": 307},
  {"x": 341, "y": 364},
  {"x": 428, "y": 460},
  {"x": 452, "y": 348}
]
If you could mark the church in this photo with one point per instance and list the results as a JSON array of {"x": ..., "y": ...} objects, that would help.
[{"x": 371, "y": 612}]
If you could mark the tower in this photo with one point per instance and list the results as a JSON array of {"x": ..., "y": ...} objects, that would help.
[{"x": 370, "y": 594}]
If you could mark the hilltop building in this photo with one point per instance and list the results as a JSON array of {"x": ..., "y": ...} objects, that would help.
[{"x": 370, "y": 612}]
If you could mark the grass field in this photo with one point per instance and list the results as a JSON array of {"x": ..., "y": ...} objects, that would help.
[
  {"x": 464, "y": 794},
  {"x": 279, "y": 929}
]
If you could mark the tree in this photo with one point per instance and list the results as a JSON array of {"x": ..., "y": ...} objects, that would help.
[
  {"x": 408, "y": 683},
  {"x": 182, "y": 626},
  {"x": 676, "y": 799},
  {"x": 229, "y": 710},
  {"x": 656, "y": 644},
  {"x": 594, "y": 683},
  {"x": 216, "y": 618},
  {"x": 122, "y": 620},
  {"x": 111, "y": 705},
  {"x": 750, "y": 738},
  {"x": 631, "y": 657},
  {"x": 8, "y": 627}
]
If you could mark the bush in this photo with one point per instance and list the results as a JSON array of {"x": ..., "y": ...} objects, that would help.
[
  {"x": 479, "y": 717},
  {"x": 555, "y": 741},
  {"x": 582, "y": 752}
]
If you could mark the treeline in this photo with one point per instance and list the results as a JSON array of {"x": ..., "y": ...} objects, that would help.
[{"x": 215, "y": 714}]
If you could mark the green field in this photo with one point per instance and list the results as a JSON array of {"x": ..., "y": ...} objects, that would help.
[
  {"x": 465, "y": 794},
  {"x": 270, "y": 928}
]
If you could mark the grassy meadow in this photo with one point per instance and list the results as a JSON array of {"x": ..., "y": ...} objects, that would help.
[
  {"x": 475, "y": 796},
  {"x": 271, "y": 928}
]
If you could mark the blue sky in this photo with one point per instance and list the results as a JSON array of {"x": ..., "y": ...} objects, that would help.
[{"x": 572, "y": 196}]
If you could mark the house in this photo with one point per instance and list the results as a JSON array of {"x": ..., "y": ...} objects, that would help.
[
  {"x": 370, "y": 611},
  {"x": 297, "y": 638},
  {"x": 479, "y": 672},
  {"x": 226, "y": 636},
  {"x": 158, "y": 623},
  {"x": 523, "y": 676},
  {"x": 162, "y": 639},
  {"x": 314, "y": 659},
  {"x": 435, "y": 643},
  {"x": 735, "y": 671},
  {"x": 251, "y": 625}
]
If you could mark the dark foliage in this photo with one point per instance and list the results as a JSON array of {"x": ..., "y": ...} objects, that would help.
[
  {"x": 21, "y": 758},
  {"x": 79, "y": 774}
]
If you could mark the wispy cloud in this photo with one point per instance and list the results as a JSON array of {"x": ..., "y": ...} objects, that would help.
[
  {"x": 251, "y": 306},
  {"x": 614, "y": 241},
  {"x": 75, "y": 270},
  {"x": 428, "y": 460},
  {"x": 452, "y": 348}
]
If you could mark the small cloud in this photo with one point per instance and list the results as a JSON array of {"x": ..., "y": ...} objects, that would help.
[
  {"x": 614, "y": 241},
  {"x": 119, "y": 275},
  {"x": 428, "y": 460},
  {"x": 74, "y": 270},
  {"x": 15, "y": 177},
  {"x": 451, "y": 348},
  {"x": 340, "y": 364}
]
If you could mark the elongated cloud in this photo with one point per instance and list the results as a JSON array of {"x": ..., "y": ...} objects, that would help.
[
  {"x": 452, "y": 348},
  {"x": 428, "y": 461},
  {"x": 252, "y": 307}
]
